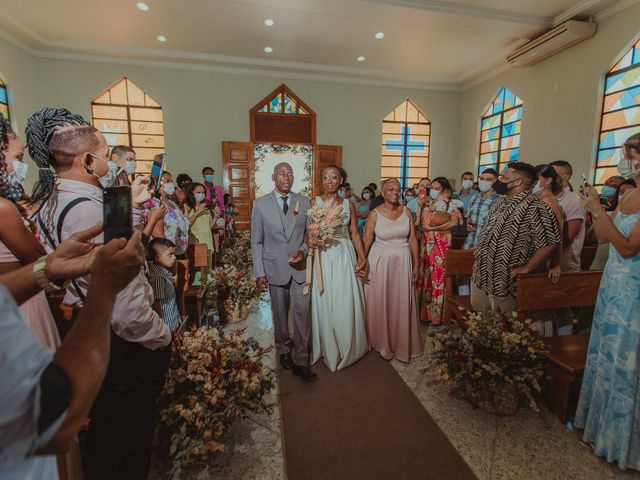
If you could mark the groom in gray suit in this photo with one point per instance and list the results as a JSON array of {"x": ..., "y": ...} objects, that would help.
[{"x": 278, "y": 227}]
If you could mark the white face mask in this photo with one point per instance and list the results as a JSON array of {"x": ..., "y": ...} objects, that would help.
[
  {"x": 484, "y": 185},
  {"x": 130, "y": 167},
  {"x": 108, "y": 178},
  {"x": 467, "y": 184},
  {"x": 169, "y": 188},
  {"x": 198, "y": 196},
  {"x": 20, "y": 170},
  {"x": 366, "y": 196},
  {"x": 433, "y": 193},
  {"x": 537, "y": 189}
]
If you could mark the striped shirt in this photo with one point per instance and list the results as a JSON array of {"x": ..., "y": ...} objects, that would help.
[
  {"x": 478, "y": 212},
  {"x": 515, "y": 229},
  {"x": 163, "y": 290}
]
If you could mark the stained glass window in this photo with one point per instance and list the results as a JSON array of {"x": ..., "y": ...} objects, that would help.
[
  {"x": 282, "y": 102},
  {"x": 4, "y": 99},
  {"x": 406, "y": 144},
  {"x": 500, "y": 129},
  {"x": 126, "y": 115},
  {"x": 620, "y": 112}
]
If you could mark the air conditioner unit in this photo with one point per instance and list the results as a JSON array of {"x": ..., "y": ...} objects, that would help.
[{"x": 555, "y": 40}]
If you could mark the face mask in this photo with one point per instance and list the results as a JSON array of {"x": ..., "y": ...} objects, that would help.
[
  {"x": 108, "y": 178},
  {"x": 130, "y": 167},
  {"x": 198, "y": 196},
  {"x": 501, "y": 188},
  {"x": 366, "y": 196},
  {"x": 607, "y": 191},
  {"x": 467, "y": 184},
  {"x": 433, "y": 193},
  {"x": 537, "y": 189},
  {"x": 169, "y": 188},
  {"x": 484, "y": 185},
  {"x": 409, "y": 197},
  {"x": 20, "y": 170},
  {"x": 627, "y": 168},
  {"x": 208, "y": 178}
]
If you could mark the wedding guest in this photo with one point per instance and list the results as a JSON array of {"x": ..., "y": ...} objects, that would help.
[
  {"x": 182, "y": 181},
  {"x": 480, "y": 206},
  {"x": 408, "y": 195},
  {"x": 363, "y": 208},
  {"x": 607, "y": 408},
  {"x": 126, "y": 407},
  {"x": 391, "y": 304},
  {"x": 201, "y": 218},
  {"x": 162, "y": 258},
  {"x": 124, "y": 157},
  {"x": 175, "y": 226},
  {"x": 338, "y": 333},
  {"x": 520, "y": 234},
  {"x": 438, "y": 218},
  {"x": 46, "y": 396},
  {"x": 609, "y": 190},
  {"x": 214, "y": 194},
  {"x": 374, "y": 187},
  {"x": 230, "y": 211},
  {"x": 466, "y": 193},
  {"x": 347, "y": 192},
  {"x": 546, "y": 189}
]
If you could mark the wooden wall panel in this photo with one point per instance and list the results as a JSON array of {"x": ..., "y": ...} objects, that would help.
[{"x": 276, "y": 128}]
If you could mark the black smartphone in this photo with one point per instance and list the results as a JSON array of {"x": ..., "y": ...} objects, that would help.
[
  {"x": 117, "y": 213},
  {"x": 156, "y": 172}
]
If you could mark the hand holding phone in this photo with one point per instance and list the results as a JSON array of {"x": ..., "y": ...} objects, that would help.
[
  {"x": 584, "y": 185},
  {"x": 117, "y": 213}
]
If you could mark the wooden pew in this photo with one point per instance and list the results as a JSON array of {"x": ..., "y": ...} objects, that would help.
[
  {"x": 186, "y": 291},
  {"x": 567, "y": 355},
  {"x": 458, "y": 263}
]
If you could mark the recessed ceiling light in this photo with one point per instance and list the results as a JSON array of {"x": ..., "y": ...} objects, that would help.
[
  {"x": 361, "y": 58},
  {"x": 161, "y": 38},
  {"x": 379, "y": 36},
  {"x": 143, "y": 7},
  {"x": 268, "y": 50},
  {"x": 269, "y": 22}
]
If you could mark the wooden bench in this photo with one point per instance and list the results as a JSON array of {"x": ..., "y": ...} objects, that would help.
[
  {"x": 567, "y": 355},
  {"x": 458, "y": 263}
]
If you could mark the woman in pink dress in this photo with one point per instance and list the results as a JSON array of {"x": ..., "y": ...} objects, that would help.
[{"x": 391, "y": 306}]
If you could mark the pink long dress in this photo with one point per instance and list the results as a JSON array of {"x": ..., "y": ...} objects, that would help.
[{"x": 392, "y": 309}]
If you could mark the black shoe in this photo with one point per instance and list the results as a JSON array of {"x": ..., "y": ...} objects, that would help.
[
  {"x": 285, "y": 361},
  {"x": 305, "y": 373}
]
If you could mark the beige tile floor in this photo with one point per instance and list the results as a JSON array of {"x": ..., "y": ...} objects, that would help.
[{"x": 528, "y": 445}]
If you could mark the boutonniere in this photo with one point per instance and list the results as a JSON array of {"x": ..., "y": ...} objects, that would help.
[{"x": 296, "y": 207}]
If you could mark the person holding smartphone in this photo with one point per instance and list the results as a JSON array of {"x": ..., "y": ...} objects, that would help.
[{"x": 201, "y": 218}]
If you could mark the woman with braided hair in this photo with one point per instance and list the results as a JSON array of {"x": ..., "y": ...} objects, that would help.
[{"x": 125, "y": 411}]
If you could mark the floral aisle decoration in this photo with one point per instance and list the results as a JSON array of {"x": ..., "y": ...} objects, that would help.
[
  {"x": 239, "y": 254},
  {"x": 215, "y": 379},
  {"x": 492, "y": 361},
  {"x": 231, "y": 290},
  {"x": 326, "y": 227}
]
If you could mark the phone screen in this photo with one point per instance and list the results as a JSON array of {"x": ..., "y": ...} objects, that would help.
[
  {"x": 423, "y": 193},
  {"x": 117, "y": 213},
  {"x": 156, "y": 172}
]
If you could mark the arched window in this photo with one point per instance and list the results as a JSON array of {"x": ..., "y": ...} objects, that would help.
[
  {"x": 406, "y": 144},
  {"x": 500, "y": 129},
  {"x": 620, "y": 112},
  {"x": 128, "y": 116},
  {"x": 4, "y": 99}
]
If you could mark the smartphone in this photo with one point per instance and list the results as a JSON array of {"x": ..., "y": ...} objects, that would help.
[
  {"x": 584, "y": 185},
  {"x": 423, "y": 193},
  {"x": 156, "y": 171},
  {"x": 117, "y": 213}
]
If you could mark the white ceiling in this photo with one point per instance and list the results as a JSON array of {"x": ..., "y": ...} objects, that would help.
[{"x": 428, "y": 43}]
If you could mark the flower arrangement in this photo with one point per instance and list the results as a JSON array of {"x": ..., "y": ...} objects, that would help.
[
  {"x": 490, "y": 358},
  {"x": 214, "y": 379},
  {"x": 231, "y": 289},
  {"x": 239, "y": 255}
]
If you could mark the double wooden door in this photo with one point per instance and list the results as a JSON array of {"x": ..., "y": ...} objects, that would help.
[{"x": 239, "y": 174}]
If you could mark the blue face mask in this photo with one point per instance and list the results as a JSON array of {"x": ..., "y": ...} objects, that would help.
[
  {"x": 208, "y": 178},
  {"x": 607, "y": 191}
]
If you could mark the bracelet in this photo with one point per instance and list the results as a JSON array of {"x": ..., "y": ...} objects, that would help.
[{"x": 40, "y": 273}]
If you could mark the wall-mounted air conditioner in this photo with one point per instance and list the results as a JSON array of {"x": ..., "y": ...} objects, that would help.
[{"x": 555, "y": 40}]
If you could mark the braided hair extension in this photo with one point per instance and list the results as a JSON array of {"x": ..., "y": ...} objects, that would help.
[{"x": 41, "y": 126}]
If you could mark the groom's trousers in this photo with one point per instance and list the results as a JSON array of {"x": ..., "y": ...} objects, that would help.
[{"x": 283, "y": 296}]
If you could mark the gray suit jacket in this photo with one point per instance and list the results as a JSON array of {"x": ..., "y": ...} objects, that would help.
[{"x": 275, "y": 237}]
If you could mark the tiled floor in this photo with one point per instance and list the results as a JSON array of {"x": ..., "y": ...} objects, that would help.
[{"x": 528, "y": 445}]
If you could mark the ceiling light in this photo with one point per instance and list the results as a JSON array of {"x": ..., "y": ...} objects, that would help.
[
  {"x": 143, "y": 7},
  {"x": 268, "y": 50},
  {"x": 361, "y": 58},
  {"x": 161, "y": 38},
  {"x": 379, "y": 36},
  {"x": 269, "y": 22}
]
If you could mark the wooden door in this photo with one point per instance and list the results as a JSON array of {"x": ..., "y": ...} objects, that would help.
[
  {"x": 324, "y": 156},
  {"x": 238, "y": 177}
]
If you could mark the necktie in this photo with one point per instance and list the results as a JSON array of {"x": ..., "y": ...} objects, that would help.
[{"x": 285, "y": 207}]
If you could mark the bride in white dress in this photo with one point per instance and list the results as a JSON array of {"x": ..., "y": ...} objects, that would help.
[{"x": 337, "y": 314}]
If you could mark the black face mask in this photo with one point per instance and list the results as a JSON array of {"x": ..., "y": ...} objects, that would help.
[{"x": 501, "y": 188}]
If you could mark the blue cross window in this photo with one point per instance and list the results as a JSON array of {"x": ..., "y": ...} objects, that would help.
[{"x": 406, "y": 142}]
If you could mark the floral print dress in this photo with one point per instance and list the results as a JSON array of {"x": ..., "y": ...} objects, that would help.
[
  {"x": 431, "y": 275},
  {"x": 176, "y": 225}
]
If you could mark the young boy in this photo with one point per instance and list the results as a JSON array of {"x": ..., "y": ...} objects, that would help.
[{"x": 162, "y": 258}]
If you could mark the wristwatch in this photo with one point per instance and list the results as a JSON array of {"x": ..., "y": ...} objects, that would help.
[{"x": 40, "y": 273}]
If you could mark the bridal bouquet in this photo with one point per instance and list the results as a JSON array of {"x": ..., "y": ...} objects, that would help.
[{"x": 327, "y": 219}]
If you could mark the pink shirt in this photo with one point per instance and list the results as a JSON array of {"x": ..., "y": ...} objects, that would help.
[
  {"x": 570, "y": 204},
  {"x": 133, "y": 317},
  {"x": 219, "y": 195}
]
